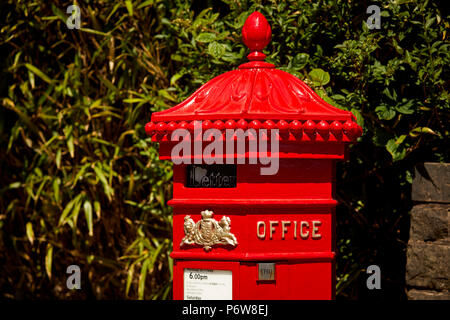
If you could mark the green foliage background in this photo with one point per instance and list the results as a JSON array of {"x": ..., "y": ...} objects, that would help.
[{"x": 82, "y": 184}]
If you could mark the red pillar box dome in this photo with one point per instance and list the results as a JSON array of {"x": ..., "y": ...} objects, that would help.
[{"x": 254, "y": 154}]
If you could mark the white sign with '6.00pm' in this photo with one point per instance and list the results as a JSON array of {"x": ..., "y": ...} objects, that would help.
[{"x": 202, "y": 284}]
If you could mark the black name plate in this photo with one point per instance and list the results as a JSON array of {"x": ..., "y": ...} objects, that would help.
[{"x": 211, "y": 176}]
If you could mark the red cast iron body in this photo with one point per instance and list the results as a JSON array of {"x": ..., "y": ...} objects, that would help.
[{"x": 287, "y": 218}]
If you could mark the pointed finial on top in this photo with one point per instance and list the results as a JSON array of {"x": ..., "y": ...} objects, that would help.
[{"x": 256, "y": 35}]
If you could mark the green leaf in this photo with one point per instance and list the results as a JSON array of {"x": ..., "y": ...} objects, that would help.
[
  {"x": 56, "y": 183},
  {"x": 130, "y": 274},
  {"x": 129, "y": 6},
  {"x": 429, "y": 22},
  {"x": 72, "y": 221},
  {"x": 72, "y": 207},
  {"x": 359, "y": 117},
  {"x": 409, "y": 177},
  {"x": 88, "y": 30},
  {"x": 97, "y": 209},
  {"x": 30, "y": 233},
  {"x": 66, "y": 211},
  {"x": 41, "y": 186},
  {"x": 38, "y": 72},
  {"x": 231, "y": 57},
  {"x": 175, "y": 78},
  {"x": 417, "y": 131},
  {"x": 300, "y": 61},
  {"x": 88, "y": 214},
  {"x": 206, "y": 37},
  {"x": 71, "y": 146},
  {"x": 143, "y": 276},
  {"x": 80, "y": 173},
  {"x": 400, "y": 139},
  {"x": 396, "y": 148},
  {"x": 319, "y": 77},
  {"x": 58, "y": 158},
  {"x": 48, "y": 260},
  {"x": 166, "y": 94},
  {"x": 146, "y": 3},
  {"x": 104, "y": 181},
  {"x": 406, "y": 107},
  {"x": 384, "y": 113},
  {"x": 14, "y": 185},
  {"x": 133, "y": 100},
  {"x": 216, "y": 50},
  {"x": 59, "y": 13}
]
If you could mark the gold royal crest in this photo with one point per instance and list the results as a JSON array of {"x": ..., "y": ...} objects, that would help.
[{"x": 208, "y": 231}]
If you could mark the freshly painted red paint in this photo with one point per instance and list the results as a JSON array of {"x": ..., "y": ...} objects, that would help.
[{"x": 287, "y": 218}]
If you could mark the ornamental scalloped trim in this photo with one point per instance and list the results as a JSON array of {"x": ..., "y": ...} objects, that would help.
[
  {"x": 295, "y": 130},
  {"x": 208, "y": 232}
]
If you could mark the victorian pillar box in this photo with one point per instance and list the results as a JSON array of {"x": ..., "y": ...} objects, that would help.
[{"x": 254, "y": 154}]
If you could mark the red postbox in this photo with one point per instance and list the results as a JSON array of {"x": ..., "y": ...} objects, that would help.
[{"x": 254, "y": 154}]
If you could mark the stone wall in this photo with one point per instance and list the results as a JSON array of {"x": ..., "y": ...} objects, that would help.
[{"x": 428, "y": 253}]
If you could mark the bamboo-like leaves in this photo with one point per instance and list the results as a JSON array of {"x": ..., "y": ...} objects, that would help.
[
  {"x": 38, "y": 72},
  {"x": 74, "y": 144},
  {"x": 109, "y": 191},
  {"x": 49, "y": 260},
  {"x": 88, "y": 214},
  {"x": 30, "y": 232},
  {"x": 70, "y": 212}
]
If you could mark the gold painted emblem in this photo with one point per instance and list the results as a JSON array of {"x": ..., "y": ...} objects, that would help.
[{"x": 208, "y": 231}]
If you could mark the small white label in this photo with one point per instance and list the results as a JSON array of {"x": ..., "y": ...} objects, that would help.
[{"x": 200, "y": 284}]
